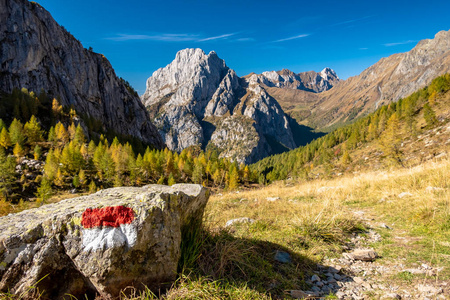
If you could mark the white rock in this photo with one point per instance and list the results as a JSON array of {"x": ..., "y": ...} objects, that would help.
[
  {"x": 404, "y": 194},
  {"x": 272, "y": 199},
  {"x": 433, "y": 189},
  {"x": 239, "y": 220}
]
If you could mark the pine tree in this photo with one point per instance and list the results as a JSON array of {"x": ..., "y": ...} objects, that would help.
[
  {"x": 16, "y": 132},
  {"x": 171, "y": 180},
  {"x": 429, "y": 115},
  {"x": 71, "y": 131},
  {"x": 59, "y": 178},
  {"x": 79, "y": 137},
  {"x": 92, "y": 187},
  {"x": 61, "y": 134},
  {"x": 18, "y": 151},
  {"x": 5, "y": 141},
  {"x": 56, "y": 108},
  {"x": 33, "y": 131},
  {"x": 217, "y": 176},
  {"x": 161, "y": 180},
  {"x": 82, "y": 177},
  {"x": 37, "y": 152},
  {"x": 51, "y": 165},
  {"x": 197, "y": 174},
  {"x": 76, "y": 181},
  {"x": 7, "y": 174},
  {"x": 118, "y": 180},
  {"x": 391, "y": 140},
  {"x": 233, "y": 177},
  {"x": 345, "y": 159},
  {"x": 246, "y": 174},
  {"x": 44, "y": 191},
  {"x": 52, "y": 136}
]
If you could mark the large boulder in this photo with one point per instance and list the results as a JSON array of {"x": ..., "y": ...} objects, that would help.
[{"x": 100, "y": 243}]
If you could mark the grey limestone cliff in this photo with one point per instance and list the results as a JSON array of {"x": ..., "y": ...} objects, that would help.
[
  {"x": 38, "y": 54},
  {"x": 198, "y": 100}
]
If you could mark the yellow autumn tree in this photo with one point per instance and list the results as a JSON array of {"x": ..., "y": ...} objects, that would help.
[
  {"x": 5, "y": 141},
  {"x": 61, "y": 134},
  {"x": 18, "y": 151},
  {"x": 33, "y": 131},
  {"x": 56, "y": 108}
]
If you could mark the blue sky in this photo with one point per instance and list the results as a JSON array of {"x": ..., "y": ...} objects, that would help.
[{"x": 138, "y": 37}]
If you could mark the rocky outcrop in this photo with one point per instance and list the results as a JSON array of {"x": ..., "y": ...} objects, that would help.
[
  {"x": 101, "y": 243},
  {"x": 198, "y": 100},
  {"x": 38, "y": 54},
  {"x": 390, "y": 79},
  {"x": 307, "y": 81}
]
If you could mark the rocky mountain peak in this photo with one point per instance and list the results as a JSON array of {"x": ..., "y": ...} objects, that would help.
[
  {"x": 198, "y": 100},
  {"x": 192, "y": 74},
  {"x": 329, "y": 74}
]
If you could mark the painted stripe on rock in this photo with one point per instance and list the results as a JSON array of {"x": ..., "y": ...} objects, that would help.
[
  {"x": 108, "y": 227},
  {"x": 107, "y": 216}
]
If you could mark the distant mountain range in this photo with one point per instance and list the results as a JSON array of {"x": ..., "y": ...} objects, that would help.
[{"x": 197, "y": 99}]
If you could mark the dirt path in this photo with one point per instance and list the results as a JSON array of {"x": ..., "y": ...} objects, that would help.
[{"x": 359, "y": 275}]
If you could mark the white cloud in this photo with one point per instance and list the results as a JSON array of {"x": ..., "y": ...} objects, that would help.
[
  {"x": 352, "y": 21},
  {"x": 400, "y": 43},
  {"x": 223, "y": 36},
  {"x": 291, "y": 38},
  {"x": 158, "y": 37},
  {"x": 245, "y": 40},
  {"x": 168, "y": 37}
]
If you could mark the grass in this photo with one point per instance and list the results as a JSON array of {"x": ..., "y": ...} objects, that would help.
[{"x": 311, "y": 221}]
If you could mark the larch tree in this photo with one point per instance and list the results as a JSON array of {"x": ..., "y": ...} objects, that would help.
[
  {"x": 5, "y": 141},
  {"x": 16, "y": 133},
  {"x": 33, "y": 131}
]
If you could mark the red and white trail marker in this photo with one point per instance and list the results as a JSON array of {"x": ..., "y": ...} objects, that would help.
[{"x": 108, "y": 227}]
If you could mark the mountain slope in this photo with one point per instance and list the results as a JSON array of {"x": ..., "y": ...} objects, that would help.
[
  {"x": 388, "y": 80},
  {"x": 404, "y": 133},
  {"x": 38, "y": 54}
]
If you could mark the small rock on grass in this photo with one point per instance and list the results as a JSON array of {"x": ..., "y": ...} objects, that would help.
[
  {"x": 239, "y": 220},
  {"x": 385, "y": 226},
  {"x": 299, "y": 294},
  {"x": 391, "y": 296},
  {"x": 428, "y": 289},
  {"x": 358, "y": 279},
  {"x": 272, "y": 199},
  {"x": 362, "y": 254},
  {"x": 283, "y": 257},
  {"x": 404, "y": 194}
]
